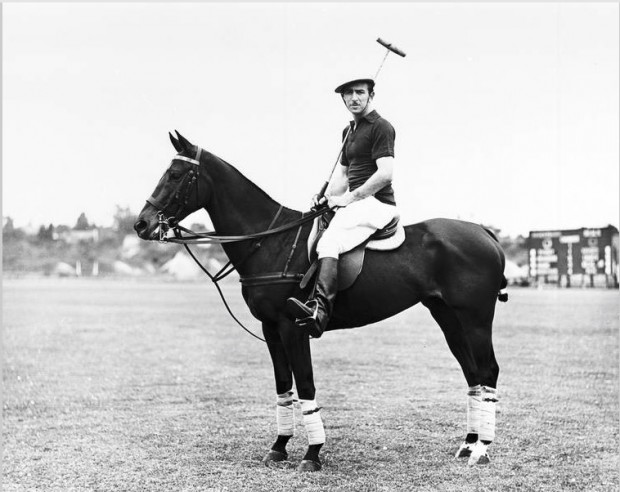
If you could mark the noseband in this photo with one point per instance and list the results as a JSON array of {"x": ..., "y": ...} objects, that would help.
[{"x": 166, "y": 222}]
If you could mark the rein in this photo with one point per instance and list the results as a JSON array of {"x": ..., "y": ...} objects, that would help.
[
  {"x": 225, "y": 271},
  {"x": 213, "y": 238}
]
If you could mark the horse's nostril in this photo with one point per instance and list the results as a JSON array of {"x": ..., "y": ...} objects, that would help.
[{"x": 140, "y": 225}]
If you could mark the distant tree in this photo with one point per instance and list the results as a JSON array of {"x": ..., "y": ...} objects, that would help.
[
  {"x": 9, "y": 227},
  {"x": 9, "y": 231},
  {"x": 124, "y": 219},
  {"x": 515, "y": 249},
  {"x": 46, "y": 233},
  {"x": 82, "y": 223}
]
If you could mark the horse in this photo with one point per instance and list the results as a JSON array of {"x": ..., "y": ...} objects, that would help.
[{"x": 454, "y": 268}]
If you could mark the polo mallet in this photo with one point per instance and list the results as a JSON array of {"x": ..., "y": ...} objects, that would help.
[{"x": 392, "y": 48}]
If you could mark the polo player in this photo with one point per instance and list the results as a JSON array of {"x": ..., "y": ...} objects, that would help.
[{"x": 361, "y": 192}]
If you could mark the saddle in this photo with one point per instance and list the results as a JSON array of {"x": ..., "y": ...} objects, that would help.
[{"x": 351, "y": 262}]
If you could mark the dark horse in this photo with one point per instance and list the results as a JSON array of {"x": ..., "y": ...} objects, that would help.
[{"x": 454, "y": 268}]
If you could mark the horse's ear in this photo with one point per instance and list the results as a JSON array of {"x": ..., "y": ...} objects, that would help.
[
  {"x": 175, "y": 143},
  {"x": 185, "y": 144}
]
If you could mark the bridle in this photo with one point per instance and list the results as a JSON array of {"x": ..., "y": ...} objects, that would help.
[
  {"x": 185, "y": 186},
  {"x": 172, "y": 222}
]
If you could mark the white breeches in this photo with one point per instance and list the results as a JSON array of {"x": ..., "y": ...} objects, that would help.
[{"x": 353, "y": 224}]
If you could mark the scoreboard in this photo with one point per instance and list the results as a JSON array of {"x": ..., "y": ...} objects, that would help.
[{"x": 553, "y": 254}]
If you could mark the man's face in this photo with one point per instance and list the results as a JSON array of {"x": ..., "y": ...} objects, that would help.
[{"x": 356, "y": 97}]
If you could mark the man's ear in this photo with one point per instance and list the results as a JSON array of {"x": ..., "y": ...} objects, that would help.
[{"x": 372, "y": 94}]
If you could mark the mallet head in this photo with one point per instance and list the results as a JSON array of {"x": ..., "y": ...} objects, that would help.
[{"x": 391, "y": 47}]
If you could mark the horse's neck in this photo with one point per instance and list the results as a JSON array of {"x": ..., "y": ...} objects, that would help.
[{"x": 239, "y": 207}]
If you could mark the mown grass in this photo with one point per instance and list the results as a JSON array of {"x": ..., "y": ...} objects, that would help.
[{"x": 131, "y": 386}]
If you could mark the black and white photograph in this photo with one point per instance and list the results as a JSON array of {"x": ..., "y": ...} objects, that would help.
[{"x": 346, "y": 246}]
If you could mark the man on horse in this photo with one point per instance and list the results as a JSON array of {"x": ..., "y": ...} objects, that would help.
[{"x": 361, "y": 192}]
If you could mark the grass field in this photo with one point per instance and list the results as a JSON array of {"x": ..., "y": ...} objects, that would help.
[{"x": 149, "y": 385}]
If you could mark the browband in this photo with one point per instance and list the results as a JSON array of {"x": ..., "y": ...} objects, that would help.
[{"x": 187, "y": 159}]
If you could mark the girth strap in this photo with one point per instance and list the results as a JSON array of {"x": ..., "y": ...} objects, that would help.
[{"x": 271, "y": 278}]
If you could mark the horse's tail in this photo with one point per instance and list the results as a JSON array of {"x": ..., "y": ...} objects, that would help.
[{"x": 502, "y": 295}]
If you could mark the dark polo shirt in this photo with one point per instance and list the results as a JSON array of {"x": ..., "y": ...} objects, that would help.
[{"x": 372, "y": 139}]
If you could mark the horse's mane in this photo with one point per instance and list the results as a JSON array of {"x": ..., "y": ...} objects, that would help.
[{"x": 247, "y": 180}]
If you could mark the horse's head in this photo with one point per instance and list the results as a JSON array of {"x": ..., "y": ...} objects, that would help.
[{"x": 176, "y": 195}]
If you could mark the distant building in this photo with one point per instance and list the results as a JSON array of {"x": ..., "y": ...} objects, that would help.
[{"x": 560, "y": 255}]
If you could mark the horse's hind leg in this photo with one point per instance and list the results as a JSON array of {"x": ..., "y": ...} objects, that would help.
[
  {"x": 482, "y": 404},
  {"x": 469, "y": 338}
]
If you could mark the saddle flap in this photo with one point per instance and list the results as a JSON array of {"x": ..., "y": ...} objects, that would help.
[{"x": 349, "y": 268}]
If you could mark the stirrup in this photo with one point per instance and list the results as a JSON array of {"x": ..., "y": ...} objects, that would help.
[{"x": 302, "y": 311}]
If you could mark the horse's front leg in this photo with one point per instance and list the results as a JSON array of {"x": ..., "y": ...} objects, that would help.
[
  {"x": 290, "y": 351},
  {"x": 285, "y": 413},
  {"x": 297, "y": 346}
]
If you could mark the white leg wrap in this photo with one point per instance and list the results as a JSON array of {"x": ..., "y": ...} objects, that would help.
[
  {"x": 313, "y": 423},
  {"x": 285, "y": 414},
  {"x": 474, "y": 399},
  {"x": 487, "y": 414}
]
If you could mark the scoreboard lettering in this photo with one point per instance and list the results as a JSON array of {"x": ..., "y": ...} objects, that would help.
[{"x": 578, "y": 251}]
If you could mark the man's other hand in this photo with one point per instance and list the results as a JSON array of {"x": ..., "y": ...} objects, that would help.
[{"x": 318, "y": 202}]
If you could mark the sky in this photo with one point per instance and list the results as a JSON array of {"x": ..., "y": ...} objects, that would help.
[{"x": 506, "y": 114}]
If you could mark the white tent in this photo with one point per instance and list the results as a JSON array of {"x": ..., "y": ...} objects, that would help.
[
  {"x": 131, "y": 246},
  {"x": 182, "y": 267},
  {"x": 63, "y": 269},
  {"x": 125, "y": 269},
  {"x": 515, "y": 273}
]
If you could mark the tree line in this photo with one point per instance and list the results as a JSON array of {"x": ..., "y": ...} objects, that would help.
[{"x": 94, "y": 248}]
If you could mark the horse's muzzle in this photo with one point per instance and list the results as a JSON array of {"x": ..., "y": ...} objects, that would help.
[{"x": 142, "y": 228}]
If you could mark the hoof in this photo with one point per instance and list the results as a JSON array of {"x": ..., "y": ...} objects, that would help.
[
  {"x": 274, "y": 456},
  {"x": 479, "y": 460},
  {"x": 479, "y": 455},
  {"x": 309, "y": 466},
  {"x": 464, "y": 451}
]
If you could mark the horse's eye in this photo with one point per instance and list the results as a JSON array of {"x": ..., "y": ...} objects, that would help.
[{"x": 175, "y": 174}]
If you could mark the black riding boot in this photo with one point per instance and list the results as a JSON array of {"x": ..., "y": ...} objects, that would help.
[{"x": 315, "y": 313}]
